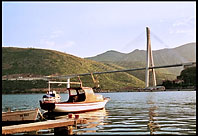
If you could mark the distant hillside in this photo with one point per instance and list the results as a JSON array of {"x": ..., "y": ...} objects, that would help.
[
  {"x": 109, "y": 56},
  {"x": 181, "y": 54},
  {"x": 31, "y": 61},
  {"x": 161, "y": 74},
  {"x": 38, "y": 62}
]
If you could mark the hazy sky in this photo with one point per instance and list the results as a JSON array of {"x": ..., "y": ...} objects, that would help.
[{"x": 87, "y": 29}]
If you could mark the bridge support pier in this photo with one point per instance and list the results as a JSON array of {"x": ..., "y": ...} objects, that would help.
[{"x": 149, "y": 61}]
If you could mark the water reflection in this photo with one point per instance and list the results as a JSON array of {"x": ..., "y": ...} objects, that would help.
[
  {"x": 95, "y": 121},
  {"x": 129, "y": 113},
  {"x": 152, "y": 125},
  {"x": 171, "y": 114}
]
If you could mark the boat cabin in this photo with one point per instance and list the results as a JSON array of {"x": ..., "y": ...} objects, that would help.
[
  {"x": 83, "y": 94},
  {"x": 76, "y": 94}
]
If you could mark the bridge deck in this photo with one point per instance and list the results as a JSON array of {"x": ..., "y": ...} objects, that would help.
[{"x": 105, "y": 72}]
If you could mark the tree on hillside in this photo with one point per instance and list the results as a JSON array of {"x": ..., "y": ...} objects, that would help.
[
  {"x": 188, "y": 75},
  {"x": 187, "y": 78}
]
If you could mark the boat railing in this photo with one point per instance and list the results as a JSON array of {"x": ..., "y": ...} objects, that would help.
[
  {"x": 52, "y": 99},
  {"x": 61, "y": 82}
]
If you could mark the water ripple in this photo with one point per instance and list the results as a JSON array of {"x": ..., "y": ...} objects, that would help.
[{"x": 130, "y": 113}]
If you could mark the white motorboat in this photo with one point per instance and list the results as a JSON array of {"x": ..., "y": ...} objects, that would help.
[{"x": 81, "y": 99}]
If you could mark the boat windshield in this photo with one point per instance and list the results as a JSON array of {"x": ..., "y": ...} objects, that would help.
[
  {"x": 76, "y": 95},
  {"x": 73, "y": 92},
  {"x": 81, "y": 91}
]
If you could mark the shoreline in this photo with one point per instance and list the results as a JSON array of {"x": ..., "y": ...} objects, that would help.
[
  {"x": 167, "y": 90},
  {"x": 106, "y": 91}
]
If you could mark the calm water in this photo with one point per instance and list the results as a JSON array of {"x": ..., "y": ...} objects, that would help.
[{"x": 128, "y": 113}]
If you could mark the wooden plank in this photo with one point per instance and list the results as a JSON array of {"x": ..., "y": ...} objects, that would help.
[{"x": 41, "y": 125}]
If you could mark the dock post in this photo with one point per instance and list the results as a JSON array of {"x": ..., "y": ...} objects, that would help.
[{"x": 67, "y": 130}]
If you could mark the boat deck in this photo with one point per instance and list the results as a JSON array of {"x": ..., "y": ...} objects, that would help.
[{"x": 41, "y": 125}]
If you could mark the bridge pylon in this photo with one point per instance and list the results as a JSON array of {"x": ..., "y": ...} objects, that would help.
[{"x": 149, "y": 61}]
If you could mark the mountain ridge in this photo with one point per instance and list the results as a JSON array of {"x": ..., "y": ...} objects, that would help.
[
  {"x": 167, "y": 56},
  {"x": 32, "y": 61},
  {"x": 113, "y": 52}
]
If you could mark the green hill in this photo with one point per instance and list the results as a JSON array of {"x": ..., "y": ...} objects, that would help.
[
  {"x": 161, "y": 74},
  {"x": 137, "y": 58},
  {"x": 109, "y": 56},
  {"x": 188, "y": 75},
  {"x": 183, "y": 53},
  {"x": 41, "y": 62},
  {"x": 186, "y": 79}
]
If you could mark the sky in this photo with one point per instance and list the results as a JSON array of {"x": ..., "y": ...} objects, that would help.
[{"x": 86, "y": 29}]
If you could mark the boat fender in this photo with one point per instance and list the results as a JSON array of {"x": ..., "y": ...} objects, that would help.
[
  {"x": 77, "y": 116},
  {"x": 70, "y": 115}
]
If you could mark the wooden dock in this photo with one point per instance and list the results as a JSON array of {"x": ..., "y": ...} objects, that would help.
[{"x": 59, "y": 123}]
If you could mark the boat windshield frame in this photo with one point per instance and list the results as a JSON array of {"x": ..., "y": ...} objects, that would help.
[{"x": 76, "y": 94}]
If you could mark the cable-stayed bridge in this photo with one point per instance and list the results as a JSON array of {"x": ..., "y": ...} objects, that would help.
[{"x": 149, "y": 67}]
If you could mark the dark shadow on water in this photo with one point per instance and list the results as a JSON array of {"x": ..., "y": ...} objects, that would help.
[{"x": 53, "y": 115}]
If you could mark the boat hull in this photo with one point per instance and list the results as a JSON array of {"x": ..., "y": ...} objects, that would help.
[
  {"x": 48, "y": 106},
  {"x": 29, "y": 115},
  {"x": 65, "y": 107},
  {"x": 79, "y": 107}
]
